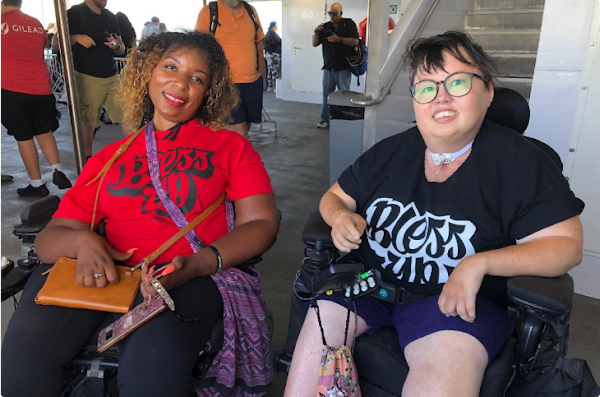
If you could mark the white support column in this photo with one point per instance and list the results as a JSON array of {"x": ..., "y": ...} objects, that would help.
[{"x": 377, "y": 32}]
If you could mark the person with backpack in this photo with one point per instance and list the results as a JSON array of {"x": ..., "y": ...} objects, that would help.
[
  {"x": 273, "y": 55},
  {"x": 338, "y": 37},
  {"x": 236, "y": 26}
]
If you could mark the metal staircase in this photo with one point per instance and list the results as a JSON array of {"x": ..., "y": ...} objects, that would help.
[{"x": 510, "y": 30}]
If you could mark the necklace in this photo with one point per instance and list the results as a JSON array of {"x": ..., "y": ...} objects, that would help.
[{"x": 446, "y": 158}]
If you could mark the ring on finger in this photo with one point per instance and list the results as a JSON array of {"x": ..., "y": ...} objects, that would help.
[{"x": 98, "y": 275}]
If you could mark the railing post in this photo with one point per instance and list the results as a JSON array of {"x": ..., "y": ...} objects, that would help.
[
  {"x": 69, "y": 74},
  {"x": 377, "y": 32}
]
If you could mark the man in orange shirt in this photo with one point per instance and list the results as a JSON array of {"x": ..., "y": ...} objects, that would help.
[{"x": 242, "y": 42}]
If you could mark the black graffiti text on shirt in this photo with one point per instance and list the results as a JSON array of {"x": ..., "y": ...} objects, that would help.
[
  {"x": 421, "y": 249},
  {"x": 178, "y": 168}
]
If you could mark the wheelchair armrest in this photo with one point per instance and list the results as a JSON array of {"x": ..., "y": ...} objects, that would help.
[
  {"x": 548, "y": 295},
  {"x": 40, "y": 208},
  {"x": 315, "y": 229},
  {"x": 35, "y": 217}
]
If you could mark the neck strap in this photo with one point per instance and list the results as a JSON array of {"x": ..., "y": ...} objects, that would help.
[{"x": 446, "y": 158}]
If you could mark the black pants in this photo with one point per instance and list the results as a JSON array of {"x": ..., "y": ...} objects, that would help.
[{"x": 155, "y": 360}]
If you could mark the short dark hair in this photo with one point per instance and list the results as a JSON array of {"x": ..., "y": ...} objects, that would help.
[
  {"x": 155, "y": 19},
  {"x": 427, "y": 53},
  {"x": 12, "y": 3}
]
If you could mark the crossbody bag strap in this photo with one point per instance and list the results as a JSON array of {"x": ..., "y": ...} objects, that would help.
[
  {"x": 150, "y": 258},
  {"x": 102, "y": 174}
]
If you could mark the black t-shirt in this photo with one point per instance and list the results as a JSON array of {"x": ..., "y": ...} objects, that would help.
[
  {"x": 418, "y": 231},
  {"x": 334, "y": 54},
  {"x": 98, "y": 60}
]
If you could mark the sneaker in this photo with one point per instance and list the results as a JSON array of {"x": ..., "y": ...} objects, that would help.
[
  {"x": 7, "y": 178},
  {"x": 270, "y": 89},
  {"x": 323, "y": 124},
  {"x": 31, "y": 191},
  {"x": 61, "y": 180}
]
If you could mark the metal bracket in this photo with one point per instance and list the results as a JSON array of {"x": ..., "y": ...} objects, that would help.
[{"x": 95, "y": 371}]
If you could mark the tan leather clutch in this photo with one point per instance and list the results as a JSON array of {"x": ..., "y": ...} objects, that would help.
[{"x": 61, "y": 289}]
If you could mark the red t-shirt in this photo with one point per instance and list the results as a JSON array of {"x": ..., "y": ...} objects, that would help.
[
  {"x": 196, "y": 166},
  {"x": 23, "y": 43}
]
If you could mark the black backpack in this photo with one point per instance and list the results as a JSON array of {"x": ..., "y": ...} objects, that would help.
[
  {"x": 214, "y": 16},
  {"x": 550, "y": 373}
]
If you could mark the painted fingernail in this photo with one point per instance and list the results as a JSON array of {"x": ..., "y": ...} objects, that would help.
[
  {"x": 132, "y": 250},
  {"x": 168, "y": 269}
]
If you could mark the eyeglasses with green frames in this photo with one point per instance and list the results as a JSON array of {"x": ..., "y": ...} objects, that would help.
[{"x": 456, "y": 84}]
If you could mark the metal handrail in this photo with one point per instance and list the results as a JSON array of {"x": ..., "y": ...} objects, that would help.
[{"x": 370, "y": 101}]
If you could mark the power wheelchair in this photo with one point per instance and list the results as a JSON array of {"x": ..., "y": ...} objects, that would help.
[
  {"x": 535, "y": 301},
  {"x": 92, "y": 374}
]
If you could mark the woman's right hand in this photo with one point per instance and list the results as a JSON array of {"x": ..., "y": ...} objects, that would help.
[
  {"x": 96, "y": 255},
  {"x": 346, "y": 230}
]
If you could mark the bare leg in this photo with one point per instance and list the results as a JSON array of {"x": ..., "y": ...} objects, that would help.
[
  {"x": 88, "y": 139},
  {"x": 304, "y": 373},
  {"x": 48, "y": 145},
  {"x": 445, "y": 364},
  {"x": 241, "y": 128},
  {"x": 29, "y": 154}
]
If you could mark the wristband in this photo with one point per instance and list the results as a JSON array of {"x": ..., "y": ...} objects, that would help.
[{"x": 219, "y": 259}]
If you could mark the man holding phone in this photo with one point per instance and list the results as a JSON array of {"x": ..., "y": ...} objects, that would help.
[
  {"x": 337, "y": 37},
  {"x": 96, "y": 40}
]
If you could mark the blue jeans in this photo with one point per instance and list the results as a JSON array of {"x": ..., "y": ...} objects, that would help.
[{"x": 331, "y": 79}]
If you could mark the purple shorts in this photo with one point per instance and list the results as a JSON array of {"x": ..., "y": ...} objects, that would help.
[{"x": 492, "y": 325}]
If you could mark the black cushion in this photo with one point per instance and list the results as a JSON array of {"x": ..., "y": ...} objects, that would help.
[{"x": 551, "y": 295}]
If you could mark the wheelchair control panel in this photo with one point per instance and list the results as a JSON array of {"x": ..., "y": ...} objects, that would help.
[{"x": 320, "y": 275}]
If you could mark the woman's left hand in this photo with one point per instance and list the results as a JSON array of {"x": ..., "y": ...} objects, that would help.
[
  {"x": 181, "y": 274},
  {"x": 460, "y": 291}
]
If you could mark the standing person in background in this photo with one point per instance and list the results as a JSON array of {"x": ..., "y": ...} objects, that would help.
[
  {"x": 273, "y": 55},
  {"x": 50, "y": 31},
  {"x": 337, "y": 37},
  {"x": 240, "y": 35},
  {"x": 96, "y": 40},
  {"x": 28, "y": 106},
  {"x": 150, "y": 28},
  {"x": 127, "y": 31}
]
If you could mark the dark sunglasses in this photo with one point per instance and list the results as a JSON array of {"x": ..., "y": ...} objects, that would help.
[
  {"x": 332, "y": 13},
  {"x": 457, "y": 84}
]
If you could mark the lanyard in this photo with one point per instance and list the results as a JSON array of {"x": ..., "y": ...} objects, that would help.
[{"x": 170, "y": 206}]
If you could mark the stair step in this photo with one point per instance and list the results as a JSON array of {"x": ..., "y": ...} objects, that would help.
[
  {"x": 515, "y": 64},
  {"x": 521, "y": 85},
  {"x": 492, "y": 41},
  {"x": 503, "y": 4},
  {"x": 505, "y": 19}
]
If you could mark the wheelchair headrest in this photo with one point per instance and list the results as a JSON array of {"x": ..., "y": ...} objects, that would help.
[{"x": 509, "y": 109}]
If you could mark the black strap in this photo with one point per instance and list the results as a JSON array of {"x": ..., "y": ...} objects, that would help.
[
  {"x": 313, "y": 304},
  {"x": 250, "y": 12},
  {"x": 214, "y": 17}
]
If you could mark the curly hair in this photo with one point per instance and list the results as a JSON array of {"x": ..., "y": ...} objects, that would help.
[{"x": 222, "y": 96}]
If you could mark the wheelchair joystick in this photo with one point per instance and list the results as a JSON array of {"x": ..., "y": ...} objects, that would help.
[{"x": 318, "y": 259}]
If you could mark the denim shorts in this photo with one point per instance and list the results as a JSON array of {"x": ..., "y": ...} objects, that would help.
[{"x": 492, "y": 325}]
